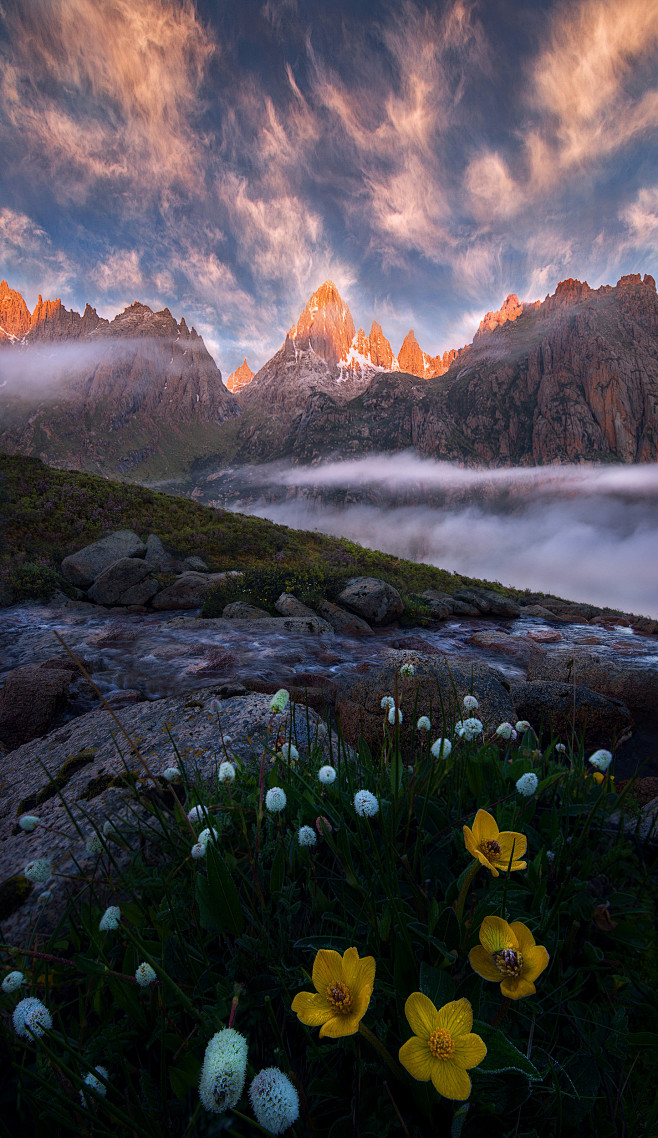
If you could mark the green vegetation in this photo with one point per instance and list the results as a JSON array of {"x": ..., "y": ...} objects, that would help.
[
  {"x": 230, "y": 936},
  {"x": 47, "y": 514}
]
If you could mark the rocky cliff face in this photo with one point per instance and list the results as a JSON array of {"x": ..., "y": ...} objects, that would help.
[
  {"x": 14, "y": 314},
  {"x": 325, "y": 325},
  {"x": 240, "y": 377}
]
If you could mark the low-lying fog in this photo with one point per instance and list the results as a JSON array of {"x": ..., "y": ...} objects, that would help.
[{"x": 588, "y": 533}]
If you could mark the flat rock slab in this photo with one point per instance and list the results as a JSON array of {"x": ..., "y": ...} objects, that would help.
[
  {"x": 563, "y": 706},
  {"x": 31, "y": 697},
  {"x": 84, "y": 566},
  {"x": 344, "y": 622},
  {"x": 634, "y": 683},
  {"x": 86, "y": 768}
]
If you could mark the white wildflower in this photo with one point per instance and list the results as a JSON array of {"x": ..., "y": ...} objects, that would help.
[
  {"x": 407, "y": 670},
  {"x": 226, "y": 772},
  {"x": 92, "y": 1081},
  {"x": 394, "y": 715},
  {"x": 306, "y": 836},
  {"x": 468, "y": 728},
  {"x": 423, "y": 724},
  {"x": 327, "y": 775},
  {"x": 110, "y": 829},
  {"x": 145, "y": 975},
  {"x": 13, "y": 981},
  {"x": 387, "y": 703},
  {"x": 289, "y": 752},
  {"x": 45, "y": 897},
  {"x": 275, "y": 799},
  {"x": 600, "y": 760},
  {"x": 550, "y": 856},
  {"x": 110, "y": 920},
  {"x": 527, "y": 784},
  {"x": 224, "y": 1071},
  {"x": 209, "y": 835},
  {"x": 280, "y": 700},
  {"x": 197, "y": 814},
  {"x": 504, "y": 730},
  {"x": 31, "y": 1018},
  {"x": 198, "y": 850},
  {"x": 441, "y": 749},
  {"x": 365, "y": 804},
  {"x": 38, "y": 870},
  {"x": 214, "y": 705},
  {"x": 522, "y": 726},
  {"x": 274, "y": 1100},
  {"x": 94, "y": 844},
  {"x": 29, "y": 822},
  {"x": 171, "y": 774},
  {"x": 561, "y": 748},
  {"x": 470, "y": 703}
]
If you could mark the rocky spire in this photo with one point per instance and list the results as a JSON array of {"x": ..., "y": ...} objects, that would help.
[
  {"x": 326, "y": 325},
  {"x": 240, "y": 377},
  {"x": 410, "y": 356},
  {"x": 14, "y": 313}
]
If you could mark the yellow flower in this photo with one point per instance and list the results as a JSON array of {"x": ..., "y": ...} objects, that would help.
[
  {"x": 493, "y": 848},
  {"x": 508, "y": 954},
  {"x": 599, "y": 778},
  {"x": 343, "y": 987},
  {"x": 442, "y": 1047}
]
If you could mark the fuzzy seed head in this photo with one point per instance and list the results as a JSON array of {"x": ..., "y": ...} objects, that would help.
[
  {"x": 145, "y": 975},
  {"x": 441, "y": 749},
  {"x": 226, "y": 772},
  {"x": 365, "y": 804},
  {"x": 274, "y": 1100},
  {"x": 327, "y": 775},
  {"x": 306, "y": 836},
  {"x": 38, "y": 870},
  {"x": 29, "y": 822},
  {"x": 527, "y": 784},
  {"x": 275, "y": 800},
  {"x": 31, "y": 1018},
  {"x": 110, "y": 920},
  {"x": 224, "y": 1070},
  {"x": 13, "y": 981}
]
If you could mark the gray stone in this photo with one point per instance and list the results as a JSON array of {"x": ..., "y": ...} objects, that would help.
[
  {"x": 538, "y": 611},
  {"x": 642, "y": 826},
  {"x": 87, "y": 564},
  {"x": 441, "y": 606},
  {"x": 31, "y": 697},
  {"x": 632, "y": 682},
  {"x": 196, "y": 563},
  {"x": 117, "y": 579},
  {"x": 288, "y": 605},
  {"x": 457, "y": 607},
  {"x": 372, "y": 599},
  {"x": 343, "y": 622},
  {"x": 564, "y": 707},
  {"x": 156, "y": 554},
  {"x": 242, "y": 610},
  {"x": 187, "y": 592},
  {"x": 140, "y": 594},
  {"x": 488, "y": 601},
  {"x": 296, "y": 625}
]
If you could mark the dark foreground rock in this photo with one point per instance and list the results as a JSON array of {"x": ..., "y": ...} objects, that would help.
[
  {"x": 563, "y": 708},
  {"x": 84, "y": 566},
  {"x": 31, "y": 698},
  {"x": 373, "y": 600},
  {"x": 627, "y": 680}
]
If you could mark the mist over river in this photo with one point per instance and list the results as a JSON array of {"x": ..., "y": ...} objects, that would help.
[{"x": 587, "y": 533}]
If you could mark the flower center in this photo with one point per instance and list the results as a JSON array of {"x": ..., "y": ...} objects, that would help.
[
  {"x": 490, "y": 849},
  {"x": 340, "y": 997},
  {"x": 509, "y": 961},
  {"x": 441, "y": 1043}
]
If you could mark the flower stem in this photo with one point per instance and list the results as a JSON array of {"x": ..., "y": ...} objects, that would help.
[
  {"x": 382, "y": 1051},
  {"x": 466, "y": 885},
  {"x": 502, "y": 1011}
]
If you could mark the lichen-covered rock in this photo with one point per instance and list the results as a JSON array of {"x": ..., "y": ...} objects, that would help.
[
  {"x": 633, "y": 682},
  {"x": 84, "y": 566},
  {"x": 564, "y": 707},
  {"x": 288, "y": 605},
  {"x": 117, "y": 579},
  {"x": 487, "y": 601},
  {"x": 372, "y": 599},
  {"x": 188, "y": 591},
  {"x": 343, "y": 622},
  {"x": 30, "y": 699},
  {"x": 242, "y": 610}
]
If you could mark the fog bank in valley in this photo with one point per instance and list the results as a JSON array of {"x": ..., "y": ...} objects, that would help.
[{"x": 588, "y": 533}]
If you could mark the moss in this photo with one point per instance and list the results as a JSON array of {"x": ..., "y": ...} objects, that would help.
[
  {"x": 103, "y": 782},
  {"x": 14, "y": 892},
  {"x": 63, "y": 776}
]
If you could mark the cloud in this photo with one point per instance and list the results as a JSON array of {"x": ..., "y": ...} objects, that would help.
[
  {"x": 640, "y": 218},
  {"x": 120, "y": 272},
  {"x": 106, "y": 91},
  {"x": 28, "y": 254}
]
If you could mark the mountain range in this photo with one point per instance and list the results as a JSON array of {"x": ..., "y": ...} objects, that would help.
[{"x": 572, "y": 378}]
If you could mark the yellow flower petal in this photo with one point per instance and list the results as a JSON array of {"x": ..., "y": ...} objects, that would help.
[
  {"x": 508, "y": 840},
  {"x": 523, "y": 935},
  {"x": 340, "y": 1025},
  {"x": 470, "y": 842},
  {"x": 349, "y": 967},
  {"x": 495, "y": 934},
  {"x": 485, "y": 828},
  {"x": 312, "y": 1009},
  {"x": 450, "y": 1080},
  {"x": 421, "y": 1014},
  {"x": 535, "y": 960},
  {"x": 481, "y": 962},
  {"x": 327, "y": 969},
  {"x": 417, "y": 1058},
  {"x": 517, "y": 988},
  {"x": 469, "y": 1050},
  {"x": 359, "y": 975},
  {"x": 456, "y": 1017}
]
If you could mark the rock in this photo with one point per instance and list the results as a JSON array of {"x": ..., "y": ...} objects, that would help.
[
  {"x": 645, "y": 625},
  {"x": 187, "y": 592},
  {"x": 358, "y": 702},
  {"x": 229, "y": 689},
  {"x": 495, "y": 640},
  {"x": 632, "y": 682},
  {"x": 240, "y": 377},
  {"x": 544, "y": 635},
  {"x": 539, "y": 611},
  {"x": 295, "y": 625},
  {"x": 196, "y": 563},
  {"x": 31, "y": 698},
  {"x": 346, "y": 623},
  {"x": 138, "y": 596},
  {"x": 563, "y": 707},
  {"x": 125, "y": 698},
  {"x": 581, "y": 612},
  {"x": 85, "y": 767},
  {"x": 441, "y": 605},
  {"x": 610, "y": 620},
  {"x": 489, "y": 602},
  {"x": 288, "y": 605},
  {"x": 156, "y": 554},
  {"x": 641, "y": 825},
  {"x": 117, "y": 579},
  {"x": 372, "y": 599},
  {"x": 241, "y": 610},
  {"x": 83, "y": 567}
]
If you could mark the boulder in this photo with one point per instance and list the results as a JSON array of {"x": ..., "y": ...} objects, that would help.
[
  {"x": 538, "y": 611},
  {"x": 288, "y": 605},
  {"x": 487, "y": 601},
  {"x": 343, "y": 622},
  {"x": 196, "y": 563},
  {"x": 444, "y": 602},
  {"x": 156, "y": 554},
  {"x": 140, "y": 594},
  {"x": 435, "y": 684},
  {"x": 294, "y": 625},
  {"x": 633, "y": 682},
  {"x": 83, "y": 567},
  {"x": 117, "y": 579},
  {"x": 84, "y": 766},
  {"x": 31, "y": 698},
  {"x": 498, "y": 641},
  {"x": 188, "y": 591},
  {"x": 563, "y": 707},
  {"x": 371, "y": 599},
  {"x": 241, "y": 610}
]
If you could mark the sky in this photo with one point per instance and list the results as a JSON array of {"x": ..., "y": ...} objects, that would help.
[{"x": 224, "y": 159}]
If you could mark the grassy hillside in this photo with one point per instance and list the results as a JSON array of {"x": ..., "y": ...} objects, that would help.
[{"x": 47, "y": 514}]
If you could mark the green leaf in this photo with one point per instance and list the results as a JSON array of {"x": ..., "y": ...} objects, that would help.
[
  {"x": 501, "y": 1054},
  {"x": 643, "y": 1039},
  {"x": 458, "y": 1120},
  {"x": 86, "y": 964},
  {"x": 395, "y": 772},
  {"x": 218, "y": 898},
  {"x": 437, "y": 984},
  {"x": 278, "y": 870}
]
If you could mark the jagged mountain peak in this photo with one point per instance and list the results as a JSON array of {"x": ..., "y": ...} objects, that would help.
[
  {"x": 240, "y": 377},
  {"x": 325, "y": 325}
]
